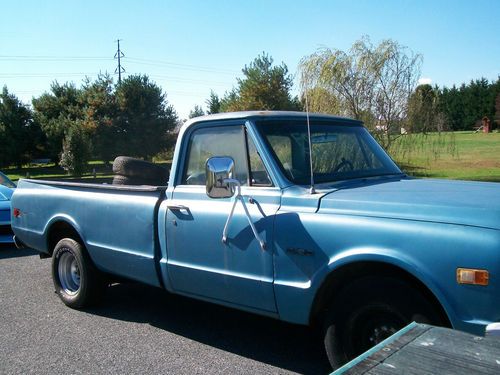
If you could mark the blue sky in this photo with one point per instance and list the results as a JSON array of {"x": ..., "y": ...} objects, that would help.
[{"x": 189, "y": 47}]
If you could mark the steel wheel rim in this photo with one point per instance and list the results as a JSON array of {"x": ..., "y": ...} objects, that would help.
[
  {"x": 373, "y": 327},
  {"x": 69, "y": 273}
]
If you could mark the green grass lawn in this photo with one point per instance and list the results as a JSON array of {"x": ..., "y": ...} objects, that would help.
[
  {"x": 51, "y": 171},
  {"x": 97, "y": 170},
  {"x": 458, "y": 155}
]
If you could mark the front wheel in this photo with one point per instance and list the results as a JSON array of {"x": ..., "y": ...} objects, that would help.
[
  {"x": 76, "y": 280},
  {"x": 369, "y": 311}
]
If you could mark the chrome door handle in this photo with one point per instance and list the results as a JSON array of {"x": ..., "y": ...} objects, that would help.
[{"x": 177, "y": 207}]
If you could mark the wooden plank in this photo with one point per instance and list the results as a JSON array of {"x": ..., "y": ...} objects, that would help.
[
  {"x": 423, "y": 349},
  {"x": 443, "y": 351},
  {"x": 380, "y": 352}
]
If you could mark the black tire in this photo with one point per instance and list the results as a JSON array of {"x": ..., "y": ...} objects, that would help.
[
  {"x": 130, "y": 167},
  {"x": 126, "y": 180},
  {"x": 370, "y": 310},
  {"x": 76, "y": 280}
]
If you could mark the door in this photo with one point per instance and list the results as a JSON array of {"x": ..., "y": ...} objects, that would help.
[{"x": 199, "y": 263}]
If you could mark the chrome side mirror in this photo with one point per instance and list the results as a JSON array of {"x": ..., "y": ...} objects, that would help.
[{"x": 218, "y": 169}]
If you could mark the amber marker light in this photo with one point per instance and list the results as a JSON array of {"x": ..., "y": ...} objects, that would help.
[{"x": 472, "y": 276}]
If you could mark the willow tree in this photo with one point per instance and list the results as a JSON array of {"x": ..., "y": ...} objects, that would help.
[{"x": 372, "y": 83}]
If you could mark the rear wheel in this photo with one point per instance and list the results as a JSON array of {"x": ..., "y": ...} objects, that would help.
[
  {"x": 369, "y": 311},
  {"x": 76, "y": 280}
]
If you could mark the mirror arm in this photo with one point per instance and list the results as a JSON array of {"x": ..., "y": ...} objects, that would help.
[
  {"x": 226, "y": 226},
  {"x": 242, "y": 200}
]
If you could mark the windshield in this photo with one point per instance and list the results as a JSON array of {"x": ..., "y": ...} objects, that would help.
[
  {"x": 4, "y": 180},
  {"x": 340, "y": 151}
]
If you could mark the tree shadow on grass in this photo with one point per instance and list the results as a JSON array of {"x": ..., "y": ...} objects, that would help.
[
  {"x": 413, "y": 171},
  {"x": 485, "y": 179},
  {"x": 422, "y": 172},
  {"x": 266, "y": 340}
]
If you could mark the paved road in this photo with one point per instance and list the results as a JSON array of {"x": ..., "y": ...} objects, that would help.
[{"x": 137, "y": 329}]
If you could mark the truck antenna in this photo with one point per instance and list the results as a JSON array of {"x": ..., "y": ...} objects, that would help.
[{"x": 312, "y": 190}]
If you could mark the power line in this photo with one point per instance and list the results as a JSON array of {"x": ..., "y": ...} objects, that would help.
[
  {"x": 168, "y": 78},
  {"x": 49, "y": 58},
  {"x": 181, "y": 66},
  {"x": 118, "y": 55},
  {"x": 138, "y": 61},
  {"x": 187, "y": 80},
  {"x": 34, "y": 75}
]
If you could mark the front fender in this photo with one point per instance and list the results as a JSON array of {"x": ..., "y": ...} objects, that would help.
[
  {"x": 308, "y": 291},
  {"x": 410, "y": 265},
  {"x": 429, "y": 252}
]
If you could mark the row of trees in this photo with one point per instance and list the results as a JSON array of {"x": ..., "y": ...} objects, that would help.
[
  {"x": 99, "y": 120},
  {"x": 373, "y": 83},
  {"x": 20, "y": 136},
  {"x": 463, "y": 106}
]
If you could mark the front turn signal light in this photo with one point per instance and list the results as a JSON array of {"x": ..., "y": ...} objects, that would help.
[{"x": 472, "y": 276}]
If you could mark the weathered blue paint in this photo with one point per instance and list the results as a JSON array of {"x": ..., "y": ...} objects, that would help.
[
  {"x": 425, "y": 228},
  {"x": 198, "y": 261},
  {"x": 115, "y": 225}
]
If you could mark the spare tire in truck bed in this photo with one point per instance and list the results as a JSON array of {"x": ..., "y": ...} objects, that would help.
[
  {"x": 130, "y": 171},
  {"x": 127, "y": 166},
  {"x": 126, "y": 180}
]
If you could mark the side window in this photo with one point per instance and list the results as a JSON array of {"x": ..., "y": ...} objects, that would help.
[
  {"x": 258, "y": 173},
  {"x": 217, "y": 141},
  {"x": 282, "y": 146}
]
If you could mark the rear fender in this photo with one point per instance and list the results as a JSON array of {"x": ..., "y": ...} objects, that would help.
[{"x": 54, "y": 221}]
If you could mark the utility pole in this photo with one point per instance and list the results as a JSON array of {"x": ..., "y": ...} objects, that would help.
[{"x": 120, "y": 69}]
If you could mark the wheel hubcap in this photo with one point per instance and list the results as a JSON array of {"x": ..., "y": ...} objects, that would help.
[
  {"x": 380, "y": 333},
  {"x": 69, "y": 273},
  {"x": 374, "y": 327}
]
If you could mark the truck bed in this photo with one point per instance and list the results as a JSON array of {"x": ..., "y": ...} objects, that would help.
[{"x": 117, "y": 223}]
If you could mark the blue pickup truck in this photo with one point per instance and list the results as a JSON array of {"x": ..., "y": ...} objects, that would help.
[{"x": 358, "y": 249}]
